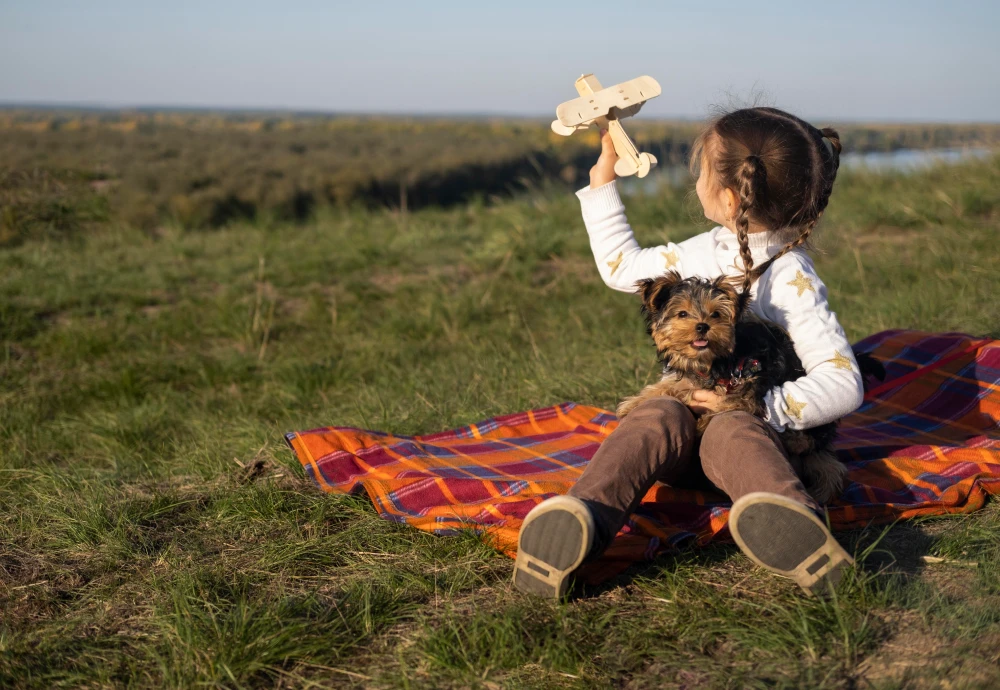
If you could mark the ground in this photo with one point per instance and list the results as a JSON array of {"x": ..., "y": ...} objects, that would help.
[{"x": 157, "y": 532}]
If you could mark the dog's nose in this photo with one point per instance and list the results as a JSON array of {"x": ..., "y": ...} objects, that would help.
[{"x": 702, "y": 328}]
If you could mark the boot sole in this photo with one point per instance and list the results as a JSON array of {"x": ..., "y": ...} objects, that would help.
[
  {"x": 553, "y": 541},
  {"x": 787, "y": 538}
]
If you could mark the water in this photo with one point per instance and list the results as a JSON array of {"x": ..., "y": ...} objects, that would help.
[
  {"x": 902, "y": 160},
  {"x": 909, "y": 160}
]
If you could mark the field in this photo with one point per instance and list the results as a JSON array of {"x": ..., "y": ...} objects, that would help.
[
  {"x": 61, "y": 173},
  {"x": 156, "y": 532}
]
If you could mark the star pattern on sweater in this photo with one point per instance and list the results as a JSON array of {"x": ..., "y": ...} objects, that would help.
[
  {"x": 670, "y": 258},
  {"x": 841, "y": 361},
  {"x": 616, "y": 263},
  {"x": 794, "y": 406},
  {"x": 801, "y": 283}
]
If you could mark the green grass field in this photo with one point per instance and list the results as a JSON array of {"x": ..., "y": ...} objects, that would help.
[{"x": 155, "y": 531}]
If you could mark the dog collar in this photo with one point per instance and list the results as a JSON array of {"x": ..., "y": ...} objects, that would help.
[{"x": 744, "y": 369}]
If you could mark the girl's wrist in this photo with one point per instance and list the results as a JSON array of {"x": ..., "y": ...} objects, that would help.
[
  {"x": 600, "y": 203},
  {"x": 599, "y": 180}
]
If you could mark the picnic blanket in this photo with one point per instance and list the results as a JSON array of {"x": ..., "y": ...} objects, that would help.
[{"x": 925, "y": 442}]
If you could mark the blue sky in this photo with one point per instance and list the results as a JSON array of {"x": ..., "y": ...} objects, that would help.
[{"x": 889, "y": 60}]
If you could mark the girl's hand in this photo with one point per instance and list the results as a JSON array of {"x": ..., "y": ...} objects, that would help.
[
  {"x": 703, "y": 401},
  {"x": 604, "y": 170}
]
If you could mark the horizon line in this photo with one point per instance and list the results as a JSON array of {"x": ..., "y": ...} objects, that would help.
[{"x": 457, "y": 115}]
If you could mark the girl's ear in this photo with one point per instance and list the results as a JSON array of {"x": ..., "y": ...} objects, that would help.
[{"x": 730, "y": 202}]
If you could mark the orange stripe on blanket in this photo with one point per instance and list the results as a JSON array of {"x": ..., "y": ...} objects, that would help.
[{"x": 303, "y": 452}]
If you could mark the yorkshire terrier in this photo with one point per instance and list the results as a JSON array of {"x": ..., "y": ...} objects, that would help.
[{"x": 707, "y": 339}]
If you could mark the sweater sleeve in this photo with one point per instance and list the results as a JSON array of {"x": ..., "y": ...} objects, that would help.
[
  {"x": 795, "y": 299},
  {"x": 620, "y": 260}
]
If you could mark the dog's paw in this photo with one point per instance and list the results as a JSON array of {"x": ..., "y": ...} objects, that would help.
[
  {"x": 627, "y": 405},
  {"x": 796, "y": 442},
  {"x": 825, "y": 476}
]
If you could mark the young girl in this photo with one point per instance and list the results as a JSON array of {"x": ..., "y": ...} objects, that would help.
[{"x": 765, "y": 177}]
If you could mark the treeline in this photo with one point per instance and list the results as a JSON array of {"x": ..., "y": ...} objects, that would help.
[{"x": 62, "y": 172}]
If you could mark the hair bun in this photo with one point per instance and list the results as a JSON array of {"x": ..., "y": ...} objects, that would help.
[{"x": 831, "y": 135}]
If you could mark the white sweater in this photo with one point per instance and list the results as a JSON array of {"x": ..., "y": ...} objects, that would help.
[{"x": 789, "y": 294}]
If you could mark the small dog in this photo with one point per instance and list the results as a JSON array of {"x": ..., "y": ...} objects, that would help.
[{"x": 708, "y": 340}]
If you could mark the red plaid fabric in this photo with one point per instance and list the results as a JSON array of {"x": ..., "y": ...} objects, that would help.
[{"x": 927, "y": 442}]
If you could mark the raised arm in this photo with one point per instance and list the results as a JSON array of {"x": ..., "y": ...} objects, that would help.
[
  {"x": 794, "y": 297},
  {"x": 620, "y": 260}
]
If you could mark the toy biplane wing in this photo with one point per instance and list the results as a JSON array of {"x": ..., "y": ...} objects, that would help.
[
  {"x": 604, "y": 108},
  {"x": 599, "y": 102}
]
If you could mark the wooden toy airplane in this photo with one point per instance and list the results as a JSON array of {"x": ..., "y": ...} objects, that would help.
[{"x": 605, "y": 108}]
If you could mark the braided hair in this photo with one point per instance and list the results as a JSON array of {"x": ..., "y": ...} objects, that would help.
[{"x": 782, "y": 170}]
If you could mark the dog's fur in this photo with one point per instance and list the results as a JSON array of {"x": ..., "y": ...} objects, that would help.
[{"x": 743, "y": 359}]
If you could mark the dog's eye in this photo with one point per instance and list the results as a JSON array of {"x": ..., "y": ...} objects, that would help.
[
  {"x": 682, "y": 315},
  {"x": 715, "y": 314}
]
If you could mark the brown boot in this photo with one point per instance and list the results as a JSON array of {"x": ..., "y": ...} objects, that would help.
[
  {"x": 554, "y": 539},
  {"x": 787, "y": 538}
]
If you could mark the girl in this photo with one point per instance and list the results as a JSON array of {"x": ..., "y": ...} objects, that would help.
[{"x": 765, "y": 177}]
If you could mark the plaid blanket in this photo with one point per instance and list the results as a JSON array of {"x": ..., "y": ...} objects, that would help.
[{"x": 926, "y": 442}]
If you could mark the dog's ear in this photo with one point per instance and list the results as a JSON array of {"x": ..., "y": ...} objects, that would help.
[
  {"x": 655, "y": 292},
  {"x": 728, "y": 286}
]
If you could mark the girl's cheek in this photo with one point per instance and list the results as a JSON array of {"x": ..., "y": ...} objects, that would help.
[{"x": 705, "y": 201}]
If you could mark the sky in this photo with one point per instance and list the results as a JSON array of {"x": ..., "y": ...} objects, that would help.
[{"x": 882, "y": 60}]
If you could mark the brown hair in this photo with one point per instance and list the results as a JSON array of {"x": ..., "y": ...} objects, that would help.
[{"x": 780, "y": 168}]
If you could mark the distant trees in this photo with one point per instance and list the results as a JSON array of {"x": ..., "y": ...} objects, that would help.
[{"x": 62, "y": 172}]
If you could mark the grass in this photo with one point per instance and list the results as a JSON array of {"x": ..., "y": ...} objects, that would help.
[{"x": 155, "y": 531}]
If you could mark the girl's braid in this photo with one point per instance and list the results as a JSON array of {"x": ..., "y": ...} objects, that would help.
[
  {"x": 832, "y": 156},
  {"x": 752, "y": 183}
]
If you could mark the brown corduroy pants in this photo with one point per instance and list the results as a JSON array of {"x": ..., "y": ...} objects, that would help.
[{"x": 738, "y": 453}]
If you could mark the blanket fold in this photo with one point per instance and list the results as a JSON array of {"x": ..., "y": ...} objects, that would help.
[{"x": 927, "y": 442}]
